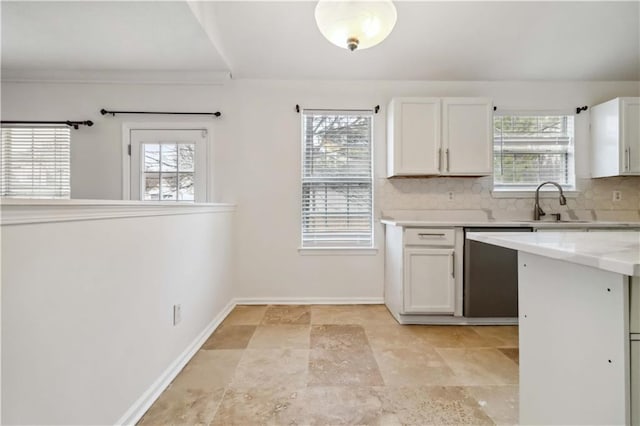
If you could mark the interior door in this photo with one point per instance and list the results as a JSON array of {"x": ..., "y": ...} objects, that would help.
[{"x": 168, "y": 165}]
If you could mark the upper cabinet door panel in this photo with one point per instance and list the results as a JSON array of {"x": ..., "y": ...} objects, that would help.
[
  {"x": 467, "y": 137},
  {"x": 615, "y": 138},
  {"x": 631, "y": 135},
  {"x": 415, "y": 137}
]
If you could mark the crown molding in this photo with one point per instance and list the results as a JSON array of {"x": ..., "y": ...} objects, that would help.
[{"x": 190, "y": 78}]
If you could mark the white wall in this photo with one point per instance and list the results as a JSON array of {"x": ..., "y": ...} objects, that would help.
[
  {"x": 87, "y": 310},
  {"x": 266, "y": 170},
  {"x": 96, "y": 152},
  {"x": 257, "y": 161}
]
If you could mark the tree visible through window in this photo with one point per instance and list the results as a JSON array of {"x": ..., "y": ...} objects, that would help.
[
  {"x": 168, "y": 171},
  {"x": 337, "y": 179},
  {"x": 532, "y": 149}
]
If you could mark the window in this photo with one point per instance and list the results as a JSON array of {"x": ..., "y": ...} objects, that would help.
[
  {"x": 36, "y": 162},
  {"x": 531, "y": 149},
  {"x": 168, "y": 164},
  {"x": 337, "y": 179},
  {"x": 168, "y": 171}
]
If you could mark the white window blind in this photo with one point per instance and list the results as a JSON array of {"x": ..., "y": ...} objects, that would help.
[
  {"x": 36, "y": 162},
  {"x": 337, "y": 179},
  {"x": 531, "y": 149}
]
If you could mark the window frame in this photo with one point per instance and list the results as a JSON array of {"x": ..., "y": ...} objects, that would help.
[
  {"x": 128, "y": 127},
  {"x": 63, "y": 190},
  {"x": 569, "y": 189},
  {"x": 338, "y": 249}
]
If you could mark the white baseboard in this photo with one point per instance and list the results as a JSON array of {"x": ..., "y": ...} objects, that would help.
[
  {"x": 137, "y": 410},
  {"x": 309, "y": 301}
]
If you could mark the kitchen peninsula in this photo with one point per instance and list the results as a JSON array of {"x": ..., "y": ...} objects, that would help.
[{"x": 579, "y": 316}]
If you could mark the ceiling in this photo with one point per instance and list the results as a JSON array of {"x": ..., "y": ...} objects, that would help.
[
  {"x": 447, "y": 40},
  {"x": 124, "y": 35}
]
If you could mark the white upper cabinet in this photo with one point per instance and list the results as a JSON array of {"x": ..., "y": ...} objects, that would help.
[
  {"x": 415, "y": 122},
  {"x": 615, "y": 138},
  {"x": 467, "y": 136},
  {"x": 439, "y": 136}
]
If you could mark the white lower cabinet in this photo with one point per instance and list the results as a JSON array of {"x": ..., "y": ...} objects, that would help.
[
  {"x": 422, "y": 273},
  {"x": 429, "y": 281}
]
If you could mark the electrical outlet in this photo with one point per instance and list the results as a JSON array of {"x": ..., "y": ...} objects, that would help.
[
  {"x": 177, "y": 314},
  {"x": 617, "y": 196},
  {"x": 451, "y": 196}
]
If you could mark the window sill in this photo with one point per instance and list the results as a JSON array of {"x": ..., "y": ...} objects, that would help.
[
  {"x": 528, "y": 193},
  {"x": 337, "y": 251}
]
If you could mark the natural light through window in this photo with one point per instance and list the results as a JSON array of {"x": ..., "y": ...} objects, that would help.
[
  {"x": 168, "y": 171},
  {"x": 36, "y": 162},
  {"x": 531, "y": 149},
  {"x": 337, "y": 179}
]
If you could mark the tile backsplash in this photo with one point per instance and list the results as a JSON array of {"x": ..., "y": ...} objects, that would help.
[{"x": 592, "y": 200}]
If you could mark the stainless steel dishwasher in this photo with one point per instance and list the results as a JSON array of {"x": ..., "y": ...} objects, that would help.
[{"x": 490, "y": 277}]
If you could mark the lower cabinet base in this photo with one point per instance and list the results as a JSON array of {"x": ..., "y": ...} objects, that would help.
[{"x": 449, "y": 320}]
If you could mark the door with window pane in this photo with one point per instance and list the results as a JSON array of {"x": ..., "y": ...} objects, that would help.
[{"x": 168, "y": 165}]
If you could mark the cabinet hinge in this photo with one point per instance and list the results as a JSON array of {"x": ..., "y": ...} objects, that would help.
[{"x": 129, "y": 150}]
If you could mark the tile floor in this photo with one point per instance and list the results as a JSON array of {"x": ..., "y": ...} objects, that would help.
[{"x": 348, "y": 364}]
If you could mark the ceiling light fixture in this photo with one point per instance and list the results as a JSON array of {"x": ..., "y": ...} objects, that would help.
[{"x": 355, "y": 24}]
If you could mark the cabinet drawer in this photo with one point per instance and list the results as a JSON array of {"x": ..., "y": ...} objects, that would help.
[
  {"x": 634, "y": 317},
  {"x": 429, "y": 237}
]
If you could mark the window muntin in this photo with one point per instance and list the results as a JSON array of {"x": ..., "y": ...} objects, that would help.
[
  {"x": 337, "y": 179},
  {"x": 531, "y": 149},
  {"x": 168, "y": 171},
  {"x": 36, "y": 162}
]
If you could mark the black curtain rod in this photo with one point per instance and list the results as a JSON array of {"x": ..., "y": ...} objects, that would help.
[
  {"x": 113, "y": 113},
  {"x": 74, "y": 124},
  {"x": 375, "y": 109}
]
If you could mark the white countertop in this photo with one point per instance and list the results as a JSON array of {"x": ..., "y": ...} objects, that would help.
[
  {"x": 610, "y": 251},
  {"x": 409, "y": 223}
]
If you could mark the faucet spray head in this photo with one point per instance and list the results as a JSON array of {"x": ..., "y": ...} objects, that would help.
[{"x": 563, "y": 200}]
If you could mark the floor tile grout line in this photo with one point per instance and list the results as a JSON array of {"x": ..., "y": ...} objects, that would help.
[
  {"x": 368, "y": 347},
  {"x": 459, "y": 377},
  {"x": 224, "y": 393}
]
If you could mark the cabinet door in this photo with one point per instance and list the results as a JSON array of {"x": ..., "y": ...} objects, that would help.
[
  {"x": 467, "y": 136},
  {"x": 630, "y": 128},
  {"x": 428, "y": 281},
  {"x": 413, "y": 137}
]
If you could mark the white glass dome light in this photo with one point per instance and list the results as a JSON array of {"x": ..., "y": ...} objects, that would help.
[{"x": 355, "y": 24}]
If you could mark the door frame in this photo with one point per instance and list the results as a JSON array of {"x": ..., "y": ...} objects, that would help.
[{"x": 128, "y": 127}]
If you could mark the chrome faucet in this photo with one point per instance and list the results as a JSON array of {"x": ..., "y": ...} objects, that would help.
[{"x": 537, "y": 210}]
